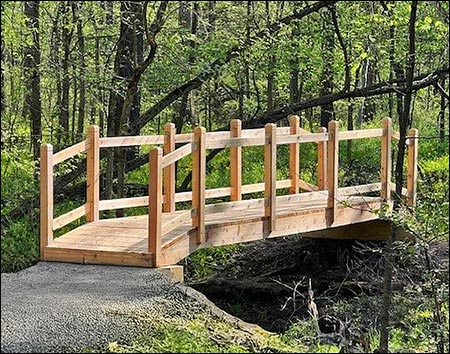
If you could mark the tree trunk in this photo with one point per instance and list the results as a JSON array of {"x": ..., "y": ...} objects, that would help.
[
  {"x": 327, "y": 110},
  {"x": 271, "y": 67},
  {"x": 55, "y": 65},
  {"x": 31, "y": 68},
  {"x": 82, "y": 71},
  {"x": 129, "y": 51},
  {"x": 442, "y": 115},
  {"x": 367, "y": 109},
  {"x": 63, "y": 132},
  {"x": 188, "y": 19},
  {"x": 405, "y": 119},
  {"x": 404, "y": 122}
]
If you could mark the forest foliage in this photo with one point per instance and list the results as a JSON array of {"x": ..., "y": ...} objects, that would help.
[{"x": 131, "y": 66}]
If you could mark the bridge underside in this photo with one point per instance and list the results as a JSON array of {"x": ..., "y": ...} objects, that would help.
[{"x": 124, "y": 241}]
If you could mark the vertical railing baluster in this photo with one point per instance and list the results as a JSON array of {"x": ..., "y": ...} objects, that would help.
[
  {"x": 155, "y": 204},
  {"x": 198, "y": 183},
  {"x": 46, "y": 199},
  {"x": 93, "y": 173},
  {"x": 386, "y": 159},
  {"x": 332, "y": 170},
  {"x": 169, "y": 171},
  {"x": 270, "y": 175},
  {"x": 294, "y": 156},
  {"x": 322, "y": 161},
  {"x": 235, "y": 162},
  {"x": 413, "y": 149}
]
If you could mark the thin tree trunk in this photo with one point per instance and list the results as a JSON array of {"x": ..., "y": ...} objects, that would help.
[
  {"x": 271, "y": 77},
  {"x": 31, "y": 67},
  {"x": 405, "y": 120},
  {"x": 327, "y": 111},
  {"x": 442, "y": 116},
  {"x": 82, "y": 72},
  {"x": 63, "y": 133}
]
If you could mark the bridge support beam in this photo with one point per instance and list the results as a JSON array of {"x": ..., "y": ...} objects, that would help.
[{"x": 174, "y": 272}]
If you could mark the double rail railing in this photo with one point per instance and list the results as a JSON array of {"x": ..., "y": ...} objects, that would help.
[{"x": 162, "y": 192}]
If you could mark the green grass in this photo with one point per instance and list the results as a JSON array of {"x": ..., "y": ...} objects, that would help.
[{"x": 200, "y": 335}]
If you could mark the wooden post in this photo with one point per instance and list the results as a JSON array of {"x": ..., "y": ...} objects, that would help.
[
  {"x": 198, "y": 183},
  {"x": 93, "y": 173},
  {"x": 46, "y": 212},
  {"x": 332, "y": 170},
  {"x": 155, "y": 204},
  {"x": 386, "y": 160},
  {"x": 270, "y": 175},
  {"x": 235, "y": 162},
  {"x": 413, "y": 148},
  {"x": 169, "y": 171},
  {"x": 294, "y": 156},
  {"x": 322, "y": 161}
]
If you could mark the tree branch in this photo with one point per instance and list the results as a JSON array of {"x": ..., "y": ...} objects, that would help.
[
  {"x": 441, "y": 90},
  {"x": 218, "y": 63}
]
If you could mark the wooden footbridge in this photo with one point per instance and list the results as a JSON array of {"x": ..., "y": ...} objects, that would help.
[{"x": 167, "y": 235}]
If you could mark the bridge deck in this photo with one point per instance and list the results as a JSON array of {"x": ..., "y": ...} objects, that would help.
[{"x": 125, "y": 240}]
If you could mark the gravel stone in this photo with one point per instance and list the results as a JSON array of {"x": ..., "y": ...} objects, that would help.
[{"x": 54, "y": 307}]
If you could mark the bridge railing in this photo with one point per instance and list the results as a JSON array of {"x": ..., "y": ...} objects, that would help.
[{"x": 162, "y": 193}]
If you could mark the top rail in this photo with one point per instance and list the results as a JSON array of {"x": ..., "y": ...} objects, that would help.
[
  {"x": 124, "y": 141},
  {"x": 360, "y": 134},
  {"x": 221, "y": 139}
]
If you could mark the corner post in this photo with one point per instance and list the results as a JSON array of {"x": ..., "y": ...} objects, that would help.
[
  {"x": 169, "y": 171},
  {"x": 294, "y": 156},
  {"x": 322, "y": 161},
  {"x": 413, "y": 148},
  {"x": 155, "y": 204},
  {"x": 93, "y": 173},
  {"x": 46, "y": 198},
  {"x": 198, "y": 183},
  {"x": 235, "y": 162},
  {"x": 270, "y": 175},
  {"x": 332, "y": 172},
  {"x": 386, "y": 160}
]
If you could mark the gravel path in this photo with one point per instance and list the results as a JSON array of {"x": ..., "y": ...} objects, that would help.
[{"x": 53, "y": 307}]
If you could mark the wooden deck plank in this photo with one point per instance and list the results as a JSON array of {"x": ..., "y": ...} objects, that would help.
[{"x": 129, "y": 236}]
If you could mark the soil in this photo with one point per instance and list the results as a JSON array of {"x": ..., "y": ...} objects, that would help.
[{"x": 276, "y": 282}]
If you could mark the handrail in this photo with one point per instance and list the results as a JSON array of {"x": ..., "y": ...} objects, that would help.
[
  {"x": 70, "y": 216},
  {"x": 235, "y": 142},
  {"x": 69, "y": 152},
  {"x": 360, "y": 134},
  {"x": 303, "y": 138},
  {"x": 125, "y": 141},
  {"x": 177, "y": 154}
]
